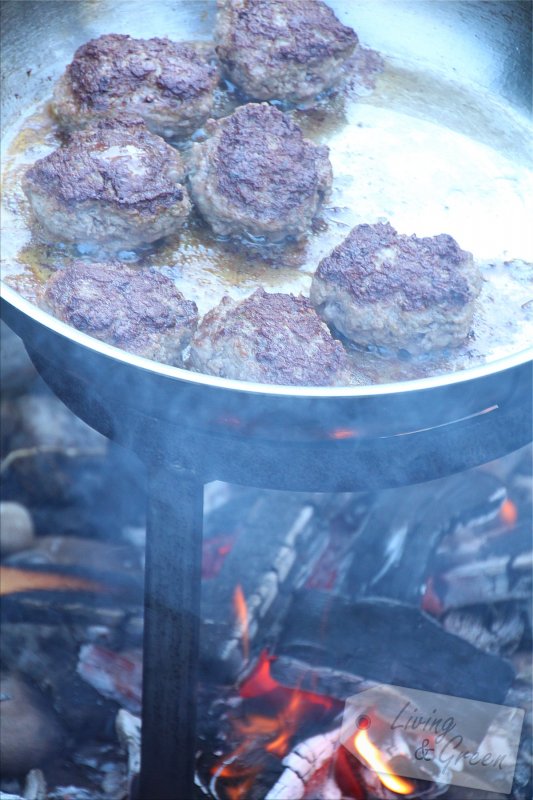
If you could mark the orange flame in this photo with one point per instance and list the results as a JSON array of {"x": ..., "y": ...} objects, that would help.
[
  {"x": 266, "y": 724},
  {"x": 241, "y": 612},
  {"x": 509, "y": 513},
  {"x": 14, "y": 580},
  {"x": 377, "y": 763}
]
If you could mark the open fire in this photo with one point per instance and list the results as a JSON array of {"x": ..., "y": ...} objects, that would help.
[
  {"x": 306, "y": 600},
  {"x": 267, "y": 722},
  {"x": 271, "y": 719}
]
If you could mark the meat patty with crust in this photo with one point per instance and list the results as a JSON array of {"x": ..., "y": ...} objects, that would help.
[
  {"x": 169, "y": 84},
  {"x": 257, "y": 176},
  {"x": 279, "y": 49},
  {"x": 116, "y": 184},
  {"x": 269, "y": 338},
  {"x": 138, "y": 310},
  {"x": 382, "y": 288}
]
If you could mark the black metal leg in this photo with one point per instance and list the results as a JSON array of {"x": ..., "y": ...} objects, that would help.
[{"x": 171, "y": 634}]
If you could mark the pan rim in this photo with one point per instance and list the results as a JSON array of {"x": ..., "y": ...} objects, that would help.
[{"x": 441, "y": 381}]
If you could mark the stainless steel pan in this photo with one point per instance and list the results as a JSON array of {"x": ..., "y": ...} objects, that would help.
[{"x": 483, "y": 46}]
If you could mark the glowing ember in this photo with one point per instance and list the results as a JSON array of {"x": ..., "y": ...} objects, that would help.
[
  {"x": 260, "y": 681},
  {"x": 343, "y": 433},
  {"x": 509, "y": 513},
  {"x": 214, "y": 551},
  {"x": 14, "y": 580},
  {"x": 431, "y": 602},
  {"x": 266, "y": 725},
  {"x": 241, "y": 612},
  {"x": 370, "y": 753}
]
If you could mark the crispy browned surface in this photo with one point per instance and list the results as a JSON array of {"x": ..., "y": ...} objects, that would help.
[
  {"x": 117, "y": 161},
  {"x": 278, "y": 49},
  {"x": 383, "y": 288},
  {"x": 138, "y": 310},
  {"x": 115, "y": 183},
  {"x": 168, "y": 83},
  {"x": 418, "y": 273},
  {"x": 268, "y": 338},
  {"x": 258, "y": 175}
]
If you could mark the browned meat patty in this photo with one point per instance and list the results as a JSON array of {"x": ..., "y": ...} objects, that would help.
[
  {"x": 269, "y": 338},
  {"x": 258, "y": 177},
  {"x": 382, "y": 288},
  {"x": 116, "y": 184},
  {"x": 138, "y": 310},
  {"x": 169, "y": 84},
  {"x": 282, "y": 49}
]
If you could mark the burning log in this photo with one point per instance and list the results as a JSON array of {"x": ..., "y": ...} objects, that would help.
[
  {"x": 393, "y": 550},
  {"x": 269, "y": 541},
  {"x": 330, "y": 645},
  {"x": 13, "y": 580},
  {"x": 509, "y": 534},
  {"x": 302, "y": 763},
  {"x": 117, "y": 676},
  {"x": 494, "y": 629},
  {"x": 496, "y": 579},
  {"x": 69, "y": 578}
]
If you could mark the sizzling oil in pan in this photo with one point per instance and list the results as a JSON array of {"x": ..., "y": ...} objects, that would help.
[{"x": 428, "y": 156}]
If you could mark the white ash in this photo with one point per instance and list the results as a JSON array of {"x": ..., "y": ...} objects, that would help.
[{"x": 302, "y": 763}]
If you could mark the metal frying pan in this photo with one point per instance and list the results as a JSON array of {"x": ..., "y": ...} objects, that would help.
[{"x": 478, "y": 56}]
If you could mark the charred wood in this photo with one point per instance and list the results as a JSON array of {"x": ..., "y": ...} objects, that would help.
[
  {"x": 330, "y": 645},
  {"x": 492, "y": 628},
  {"x": 395, "y": 545},
  {"x": 272, "y": 541},
  {"x": 496, "y": 579}
]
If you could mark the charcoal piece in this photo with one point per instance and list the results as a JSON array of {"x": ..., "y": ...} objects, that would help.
[
  {"x": 395, "y": 546},
  {"x": 74, "y": 551},
  {"x": 329, "y": 570},
  {"x": 275, "y": 539},
  {"x": 496, "y": 579},
  {"x": 56, "y": 607},
  {"x": 339, "y": 643},
  {"x": 492, "y": 628},
  {"x": 498, "y": 540},
  {"x": 74, "y": 581}
]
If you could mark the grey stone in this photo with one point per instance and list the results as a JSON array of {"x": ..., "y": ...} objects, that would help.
[
  {"x": 16, "y": 528},
  {"x": 30, "y": 734}
]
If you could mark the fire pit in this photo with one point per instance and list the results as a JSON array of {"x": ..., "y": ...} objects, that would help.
[{"x": 308, "y": 599}]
